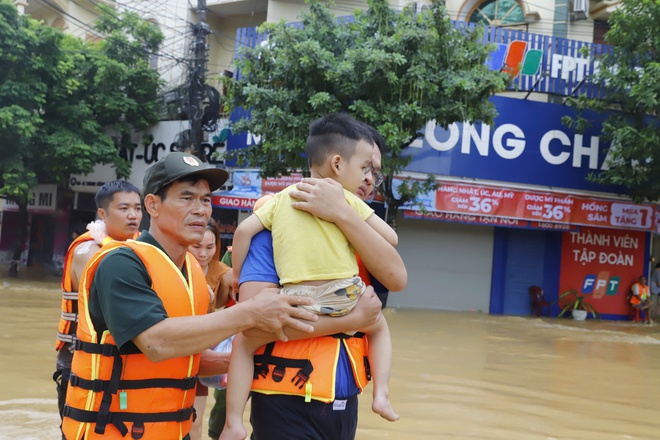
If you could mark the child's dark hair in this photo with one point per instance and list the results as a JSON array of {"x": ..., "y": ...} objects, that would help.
[
  {"x": 105, "y": 194},
  {"x": 336, "y": 133}
]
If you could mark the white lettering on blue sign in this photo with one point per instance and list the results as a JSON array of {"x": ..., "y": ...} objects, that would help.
[
  {"x": 564, "y": 65},
  {"x": 508, "y": 142},
  {"x": 252, "y": 139}
]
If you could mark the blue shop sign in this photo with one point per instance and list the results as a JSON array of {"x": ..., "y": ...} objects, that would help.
[{"x": 527, "y": 144}]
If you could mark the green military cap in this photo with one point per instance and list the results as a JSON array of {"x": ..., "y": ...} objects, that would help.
[{"x": 176, "y": 165}]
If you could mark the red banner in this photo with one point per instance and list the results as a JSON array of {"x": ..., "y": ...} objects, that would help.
[
  {"x": 227, "y": 201},
  {"x": 602, "y": 264},
  {"x": 544, "y": 207}
]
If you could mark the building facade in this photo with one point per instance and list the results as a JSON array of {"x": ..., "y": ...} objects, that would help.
[{"x": 515, "y": 208}]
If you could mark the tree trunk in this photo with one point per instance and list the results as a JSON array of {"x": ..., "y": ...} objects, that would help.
[
  {"x": 392, "y": 203},
  {"x": 21, "y": 236}
]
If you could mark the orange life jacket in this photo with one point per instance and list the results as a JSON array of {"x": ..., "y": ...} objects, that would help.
[
  {"x": 643, "y": 293},
  {"x": 111, "y": 394},
  {"x": 308, "y": 367},
  {"x": 363, "y": 272},
  {"x": 66, "y": 329}
]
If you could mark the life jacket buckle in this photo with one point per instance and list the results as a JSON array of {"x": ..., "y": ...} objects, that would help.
[
  {"x": 260, "y": 370},
  {"x": 137, "y": 431},
  {"x": 109, "y": 350},
  {"x": 302, "y": 376},
  {"x": 278, "y": 373},
  {"x": 76, "y": 344}
]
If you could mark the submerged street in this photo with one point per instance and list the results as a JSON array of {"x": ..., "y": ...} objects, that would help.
[{"x": 455, "y": 375}]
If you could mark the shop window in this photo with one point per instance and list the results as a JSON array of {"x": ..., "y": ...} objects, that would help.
[
  {"x": 600, "y": 29},
  {"x": 153, "y": 57},
  {"x": 498, "y": 13},
  {"x": 84, "y": 202}
]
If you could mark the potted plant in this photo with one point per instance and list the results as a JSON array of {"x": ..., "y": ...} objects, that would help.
[{"x": 577, "y": 304}]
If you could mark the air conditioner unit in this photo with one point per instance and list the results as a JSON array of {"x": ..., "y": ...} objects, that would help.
[
  {"x": 580, "y": 10},
  {"x": 419, "y": 7}
]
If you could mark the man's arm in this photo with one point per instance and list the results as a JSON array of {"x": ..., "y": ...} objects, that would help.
[
  {"x": 213, "y": 363},
  {"x": 325, "y": 199},
  {"x": 132, "y": 311},
  {"x": 224, "y": 290},
  {"x": 385, "y": 230},
  {"x": 81, "y": 256},
  {"x": 184, "y": 336},
  {"x": 248, "y": 228},
  {"x": 364, "y": 314}
]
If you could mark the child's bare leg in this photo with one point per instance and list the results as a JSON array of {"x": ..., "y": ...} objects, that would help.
[
  {"x": 241, "y": 371},
  {"x": 200, "y": 406},
  {"x": 380, "y": 360}
]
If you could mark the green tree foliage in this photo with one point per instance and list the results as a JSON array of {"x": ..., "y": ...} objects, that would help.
[
  {"x": 393, "y": 70},
  {"x": 66, "y": 105},
  {"x": 628, "y": 78}
]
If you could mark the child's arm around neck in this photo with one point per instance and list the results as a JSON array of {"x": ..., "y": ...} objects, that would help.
[{"x": 248, "y": 228}]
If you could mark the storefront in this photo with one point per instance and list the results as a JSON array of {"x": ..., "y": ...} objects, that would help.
[
  {"x": 515, "y": 208},
  {"x": 47, "y": 218},
  {"x": 516, "y": 205},
  {"x": 54, "y": 217}
]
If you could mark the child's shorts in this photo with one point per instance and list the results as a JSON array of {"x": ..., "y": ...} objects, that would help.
[{"x": 334, "y": 298}]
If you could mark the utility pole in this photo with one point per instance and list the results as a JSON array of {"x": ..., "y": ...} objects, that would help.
[{"x": 198, "y": 72}]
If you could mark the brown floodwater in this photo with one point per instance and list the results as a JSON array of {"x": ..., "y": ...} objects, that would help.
[{"x": 455, "y": 375}]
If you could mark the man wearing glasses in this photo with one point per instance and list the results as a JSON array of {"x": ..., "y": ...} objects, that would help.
[{"x": 279, "y": 416}]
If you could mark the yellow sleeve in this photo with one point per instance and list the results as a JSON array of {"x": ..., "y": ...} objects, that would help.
[
  {"x": 363, "y": 210},
  {"x": 266, "y": 212}
]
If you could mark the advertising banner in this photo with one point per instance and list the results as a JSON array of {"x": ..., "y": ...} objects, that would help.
[
  {"x": 528, "y": 143},
  {"x": 537, "y": 206},
  {"x": 248, "y": 187},
  {"x": 44, "y": 200},
  {"x": 602, "y": 264},
  {"x": 162, "y": 142}
]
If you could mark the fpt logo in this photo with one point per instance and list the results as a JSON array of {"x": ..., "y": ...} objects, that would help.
[
  {"x": 515, "y": 59},
  {"x": 600, "y": 285}
]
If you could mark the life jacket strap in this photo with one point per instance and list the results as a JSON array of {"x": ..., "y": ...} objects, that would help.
[
  {"x": 92, "y": 348},
  {"x": 358, "y": 335},
  {"x": 305, "y": 366},
  {"x": 72, "y": 317},
  {"x": 118, "y": 418},
  {"x": 65, "y": 338},
  {"x": 71, "y": 296},
  {"x": 103, "y": 416},
  {"x": 262, "y": 361},
  {"x": 98, "y": 385}
]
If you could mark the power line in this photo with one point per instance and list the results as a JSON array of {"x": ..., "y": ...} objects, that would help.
[
  {"x": 89, "y": 28},
  {"x": 162, "y": 50}
]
